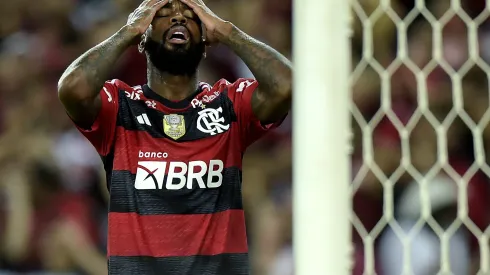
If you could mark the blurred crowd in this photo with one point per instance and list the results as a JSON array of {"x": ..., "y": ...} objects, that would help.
[
  {"x": 53, "y": 195},
  {"x": 421, "y": 137}
]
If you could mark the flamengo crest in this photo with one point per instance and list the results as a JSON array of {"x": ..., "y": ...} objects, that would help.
[
  {"x": 211, "y": 122},
  {"x": 174, "y": 126}
]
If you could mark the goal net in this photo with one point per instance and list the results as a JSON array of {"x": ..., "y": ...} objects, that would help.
[{"x": 420, "y": 116}]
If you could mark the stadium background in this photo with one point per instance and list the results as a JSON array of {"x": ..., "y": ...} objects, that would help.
[{"x": 52, "y": 196}]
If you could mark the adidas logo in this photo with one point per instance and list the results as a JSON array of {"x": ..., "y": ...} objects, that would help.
[{"x": 143, "y": 119}]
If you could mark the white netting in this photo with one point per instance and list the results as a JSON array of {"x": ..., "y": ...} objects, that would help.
[{"x": 420, "y": 114}]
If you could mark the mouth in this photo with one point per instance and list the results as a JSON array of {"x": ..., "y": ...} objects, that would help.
[{"x": 178, "y": 35}]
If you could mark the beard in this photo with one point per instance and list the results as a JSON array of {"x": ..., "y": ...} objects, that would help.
[{"x": 178, "y": 61}]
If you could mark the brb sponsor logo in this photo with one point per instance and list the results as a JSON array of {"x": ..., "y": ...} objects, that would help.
[{"x": 176, "y": 175}]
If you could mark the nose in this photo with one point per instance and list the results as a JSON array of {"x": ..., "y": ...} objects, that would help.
[{"x": 179, "y": 19}]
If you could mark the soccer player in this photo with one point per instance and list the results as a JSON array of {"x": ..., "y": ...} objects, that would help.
[{"x": 172, "y": 148}]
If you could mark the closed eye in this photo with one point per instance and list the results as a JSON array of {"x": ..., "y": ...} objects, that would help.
[
  {"x": 163, "y": 13},
  {"x": 190, "y": 14}
]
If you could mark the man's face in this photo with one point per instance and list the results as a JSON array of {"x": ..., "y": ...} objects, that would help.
[{"x": 174, "y": 40}]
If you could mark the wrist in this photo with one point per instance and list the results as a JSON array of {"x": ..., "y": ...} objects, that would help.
[
  {"x": 129, "y": 34},
  {"x": 224, "y": 31}
]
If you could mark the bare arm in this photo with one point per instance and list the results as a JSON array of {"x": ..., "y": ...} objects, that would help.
[
  {"x": 80, "y": 84},
  {"x": 272, "y": 99}
]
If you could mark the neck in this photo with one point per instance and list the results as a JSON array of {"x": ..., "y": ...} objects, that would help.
[{"x": 171, "y": 87}]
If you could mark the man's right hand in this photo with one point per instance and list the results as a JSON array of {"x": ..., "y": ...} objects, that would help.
[
  {"x": 80, "y": 85},
  {"x": 140, "y": 19}
]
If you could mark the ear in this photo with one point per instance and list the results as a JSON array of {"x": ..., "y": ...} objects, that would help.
[
  {"x": 206, "y": 43},
  {"x": 203, "y": 35},
  {"x": 141, "y": 45}
]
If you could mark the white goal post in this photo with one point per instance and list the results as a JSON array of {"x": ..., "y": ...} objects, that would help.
[{"x": 321, "y": 127}]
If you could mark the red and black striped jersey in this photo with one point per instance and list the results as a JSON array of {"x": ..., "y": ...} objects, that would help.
[{"x": 174, "y": 175}]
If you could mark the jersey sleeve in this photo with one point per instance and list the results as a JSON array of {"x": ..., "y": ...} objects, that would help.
[
  {"x": 251, "y": 129},
  {"x": 101, "y": 133}
]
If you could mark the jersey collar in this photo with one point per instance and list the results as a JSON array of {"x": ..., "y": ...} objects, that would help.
[{"x": 184, "y": 103}]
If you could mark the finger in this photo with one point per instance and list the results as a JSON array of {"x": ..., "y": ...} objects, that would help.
[
  {"x": 145, "y": 3},
  {"x": 190, "y": 3},
  {"x": 197, "y": 2}
]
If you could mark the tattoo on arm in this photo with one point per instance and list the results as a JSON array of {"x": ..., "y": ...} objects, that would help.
[
  {"x": 80, "y": 84},
  {"x": 95, "y": 65},
  {"x": 271, "y": 69},
  {"x": 272, "y": 99}
]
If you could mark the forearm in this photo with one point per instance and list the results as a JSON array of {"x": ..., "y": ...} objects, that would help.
[
  {"x": 271, "y": 69},
  {"x": 80, "y": 84},
  {"x": 87, "y": 74}
]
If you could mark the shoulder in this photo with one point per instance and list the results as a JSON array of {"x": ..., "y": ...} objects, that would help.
[
  {"x": 238, "y": 86},
  {"x": 117, "y": 87},
  {"x": 236, "y": 91},
  {"x": 118, "y": 83},
  {"x": 239, "y": 93},
  {"x": 223, "y": 88}
]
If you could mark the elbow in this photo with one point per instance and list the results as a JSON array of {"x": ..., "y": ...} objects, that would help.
[
  {"x": 287, "y": 83},
  {"x": 288, "y": 91},
  {"x": 285, "y": 90},
  {"x": 67, "y": 84},
  {"x": 280, "y": 101},
  {"x": 286, "y": 87},
  {"x": 72, "y": 87}
]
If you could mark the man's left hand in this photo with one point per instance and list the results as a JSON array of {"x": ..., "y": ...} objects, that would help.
[{"x": 215, "y": 27}]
